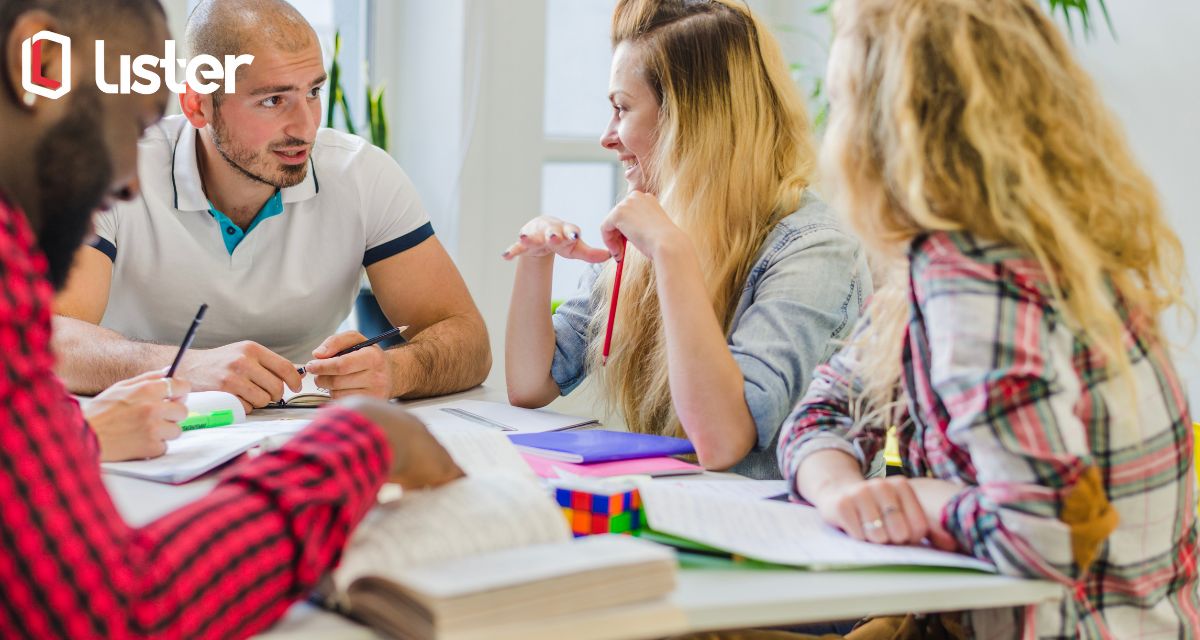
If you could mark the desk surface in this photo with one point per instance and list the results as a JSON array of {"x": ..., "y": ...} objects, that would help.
[{"x": 706, "y": 598}]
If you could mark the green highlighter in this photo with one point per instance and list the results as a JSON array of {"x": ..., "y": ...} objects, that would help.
[{"x": 195, "y": 421}]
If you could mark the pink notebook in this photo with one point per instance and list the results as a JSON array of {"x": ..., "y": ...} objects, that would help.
[{"x": 547, "y": 468}]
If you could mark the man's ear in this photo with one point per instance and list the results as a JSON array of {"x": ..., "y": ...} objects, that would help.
[
  {"x": 197, "y": 108},
  {"x": 26, "y": 26}
]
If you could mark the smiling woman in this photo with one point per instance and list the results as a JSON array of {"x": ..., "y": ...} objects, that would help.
[{"x": 738, "y": 279}]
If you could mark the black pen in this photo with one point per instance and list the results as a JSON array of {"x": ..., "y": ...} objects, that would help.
[
  {"x": 390, "y": 333},
  {"x": 187, "y": 340}
]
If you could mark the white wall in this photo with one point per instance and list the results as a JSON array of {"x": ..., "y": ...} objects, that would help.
[{"x": 1150, "y": 77}]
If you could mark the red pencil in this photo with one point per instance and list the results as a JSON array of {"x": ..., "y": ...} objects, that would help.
[{"x": 612, "y": 306}]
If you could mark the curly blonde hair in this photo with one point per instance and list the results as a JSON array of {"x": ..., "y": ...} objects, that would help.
[{"x": 972, "y": 115}]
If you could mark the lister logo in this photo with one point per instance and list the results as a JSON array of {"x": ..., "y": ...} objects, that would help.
[
  {"x": 135, "y": 74},
  {"x": 31, "y": 66}
]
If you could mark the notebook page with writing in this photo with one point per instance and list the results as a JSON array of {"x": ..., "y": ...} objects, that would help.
[
  {"x": 484, "y": 512},
  {"x": 777, "y": 532}
]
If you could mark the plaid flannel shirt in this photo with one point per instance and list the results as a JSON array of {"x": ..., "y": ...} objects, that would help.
[
  {"x": 1004, "y": 399},
  {"x": 227, "y": 565}
]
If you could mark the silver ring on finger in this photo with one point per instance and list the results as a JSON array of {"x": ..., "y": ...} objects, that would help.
[
  {"x": 890, "y": 509},
  {"x": 873, "y": 525},
  {"x": 170, "y": 388}
]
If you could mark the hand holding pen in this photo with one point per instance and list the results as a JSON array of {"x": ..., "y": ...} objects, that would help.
[
  {"x": 133, "y": 419},
  {"x": 346, "y": 364}
]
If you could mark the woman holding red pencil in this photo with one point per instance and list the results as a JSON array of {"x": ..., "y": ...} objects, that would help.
[{"x": 736, "y": 279}]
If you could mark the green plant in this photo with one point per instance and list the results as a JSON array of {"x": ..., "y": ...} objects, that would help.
[
  {"x": 377, "y": 123},
  {"x": 1081, "y": 9}
]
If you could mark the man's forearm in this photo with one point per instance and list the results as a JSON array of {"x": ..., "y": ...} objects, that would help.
[
  {"x": 449, "y": 356},
  {"x": 91, "y": 358}
]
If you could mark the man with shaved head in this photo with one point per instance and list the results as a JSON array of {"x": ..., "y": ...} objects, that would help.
[
  {"x": 227, "y": 565},
  {"x": 248, "y": 206}
]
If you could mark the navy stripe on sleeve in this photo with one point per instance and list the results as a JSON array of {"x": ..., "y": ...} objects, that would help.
[
  {"x": 104, "y": 246},
  {"x": 399, "y": 245}
]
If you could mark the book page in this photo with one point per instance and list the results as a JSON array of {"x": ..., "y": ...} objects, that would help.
[
  {"x": 509, "y": 567},
  {"x": 777, "y": 532},
  {"x": 483, "y": 512}
]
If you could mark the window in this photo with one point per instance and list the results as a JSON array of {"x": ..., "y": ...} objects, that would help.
[{"x": 579, "y": 177}]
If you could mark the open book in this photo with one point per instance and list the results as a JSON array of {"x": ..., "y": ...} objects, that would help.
[
  {"x": 202, "y": 449},
  {"x": 490, "y": 556}
]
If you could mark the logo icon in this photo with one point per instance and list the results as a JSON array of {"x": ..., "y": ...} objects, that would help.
[{"x": 31, "y": 66}]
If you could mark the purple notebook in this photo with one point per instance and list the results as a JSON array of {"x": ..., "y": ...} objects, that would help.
[{"x": 599, "y": 446}]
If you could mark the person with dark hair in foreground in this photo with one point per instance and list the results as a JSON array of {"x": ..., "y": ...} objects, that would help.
[{"x": 227, "y": 565}]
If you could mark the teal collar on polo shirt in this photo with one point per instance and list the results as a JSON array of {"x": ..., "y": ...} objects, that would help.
[
  {"x": 189, "y": 189},
  {"x": 233, "y": 234}
]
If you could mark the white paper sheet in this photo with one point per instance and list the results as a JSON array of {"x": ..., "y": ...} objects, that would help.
[
  {"x": 192, "y": 454},
  {"x": 742, "y": 489},
  {"x": 196, "y": 452},
  {"x": 499, "y": 417},
  {"x": 777, "y": 532},
  {"x": 477, "y": 449}
]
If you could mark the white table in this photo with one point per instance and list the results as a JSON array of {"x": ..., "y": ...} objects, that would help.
[{"x": 706, "y": 599}]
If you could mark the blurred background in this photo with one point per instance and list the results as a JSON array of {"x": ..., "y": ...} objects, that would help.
[{"x": 495, "y": 109}]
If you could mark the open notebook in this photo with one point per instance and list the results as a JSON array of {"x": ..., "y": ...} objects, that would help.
[
  {"x": 308, "y": 397},
  {"x": 201, "y": 450},
  {"x": 490, "y": 556}
]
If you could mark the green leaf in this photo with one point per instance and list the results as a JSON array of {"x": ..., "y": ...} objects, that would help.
[{"x": 335, "y": 80}]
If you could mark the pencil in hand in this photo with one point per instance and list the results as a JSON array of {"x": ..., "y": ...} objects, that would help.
[{"x": 612, "y": 306}]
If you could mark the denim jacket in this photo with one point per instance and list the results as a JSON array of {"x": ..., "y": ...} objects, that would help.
[{"x": 802, "y": 297}]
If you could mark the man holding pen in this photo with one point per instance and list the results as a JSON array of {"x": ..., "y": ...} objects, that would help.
[
  {"x": 247, "y": 205},
  {"x": 227, "y": 565}
]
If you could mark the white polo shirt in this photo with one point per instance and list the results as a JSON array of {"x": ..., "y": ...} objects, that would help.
[{"x": 293, "y": 278}]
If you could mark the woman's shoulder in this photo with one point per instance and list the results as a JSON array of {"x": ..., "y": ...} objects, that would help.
[{"x": 811, "y": 224}]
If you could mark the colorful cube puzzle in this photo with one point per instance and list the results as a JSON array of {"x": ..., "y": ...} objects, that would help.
[{"x": 594, "y": 509}]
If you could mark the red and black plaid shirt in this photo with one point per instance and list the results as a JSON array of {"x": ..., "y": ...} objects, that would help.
[{"x": 226, "y": 565}]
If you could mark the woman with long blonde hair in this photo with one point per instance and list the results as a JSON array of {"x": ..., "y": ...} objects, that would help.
[
  {"x": 737, "y": 278},
  {"x": 1018, "y": 351}
]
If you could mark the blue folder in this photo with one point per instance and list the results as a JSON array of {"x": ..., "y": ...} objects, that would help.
[{"x": 599, "y": 446}]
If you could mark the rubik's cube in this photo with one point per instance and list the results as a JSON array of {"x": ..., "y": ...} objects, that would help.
[{"x": 600, "y": 510}]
